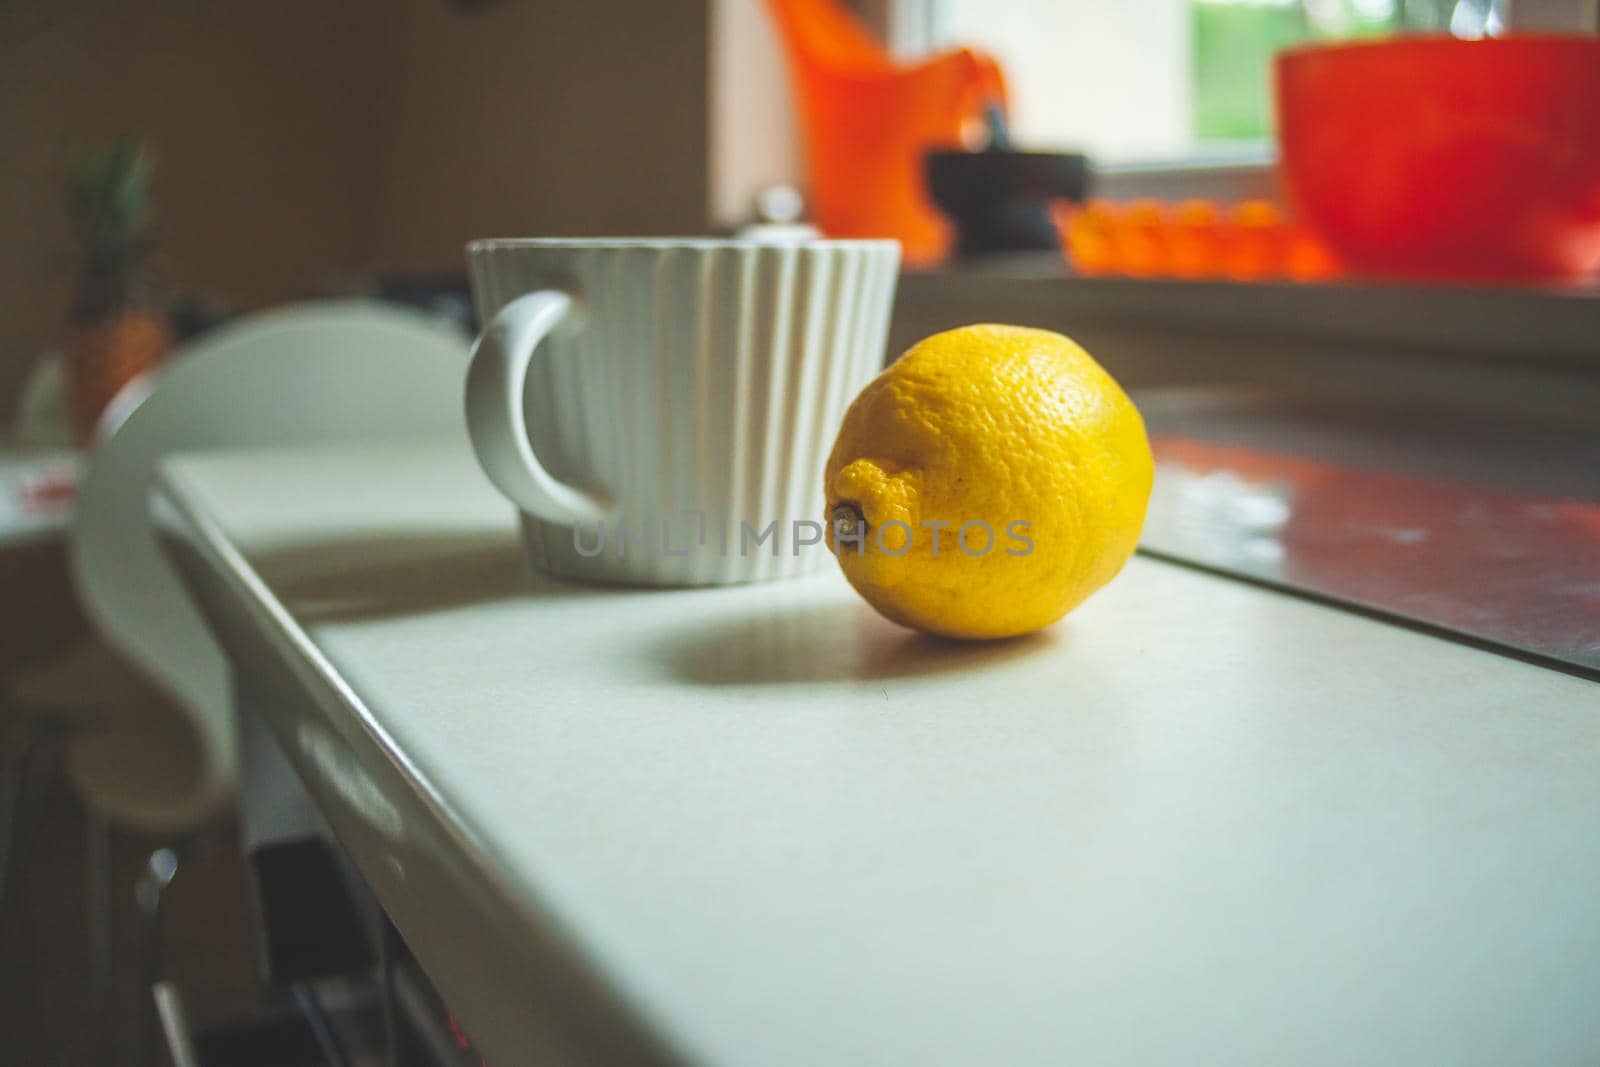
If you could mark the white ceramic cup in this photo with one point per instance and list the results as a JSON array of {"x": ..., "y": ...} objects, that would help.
[{"x": 653, "y": 406}]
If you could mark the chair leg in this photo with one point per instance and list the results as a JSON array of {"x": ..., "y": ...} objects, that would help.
[
  {"x": 28, "y": 736},
  {"x": 21, "y": 749},
  {"x": 148, "y": 889},
  {"x": 98, "y": 927},
  {"x": 17, "y": 751},
  {"x": 175, "y": 1025},
  {"x": 153, "y": 879},
  {"x": 305, "y": 998}
]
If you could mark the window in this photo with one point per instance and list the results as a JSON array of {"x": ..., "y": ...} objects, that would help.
[{"x": 1138, "y": 81}]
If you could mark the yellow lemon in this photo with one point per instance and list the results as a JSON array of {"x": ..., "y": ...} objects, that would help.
[{"x": 987, "y": 482}]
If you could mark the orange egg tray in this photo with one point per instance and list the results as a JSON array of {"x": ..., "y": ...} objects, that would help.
[{"x": 1249, "y": 241}]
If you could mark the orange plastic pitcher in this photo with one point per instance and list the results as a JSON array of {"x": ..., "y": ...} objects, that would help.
[{"x": 868, "y": 121}]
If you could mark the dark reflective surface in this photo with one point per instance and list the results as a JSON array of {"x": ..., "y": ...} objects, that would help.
[{"x": 1486, "y": 528}]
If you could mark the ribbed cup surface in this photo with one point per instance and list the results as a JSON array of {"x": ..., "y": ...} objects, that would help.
[{"x": 699, "y": 378}]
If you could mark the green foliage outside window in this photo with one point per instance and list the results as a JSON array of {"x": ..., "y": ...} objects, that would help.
[{"x": 1234, "y": 41}]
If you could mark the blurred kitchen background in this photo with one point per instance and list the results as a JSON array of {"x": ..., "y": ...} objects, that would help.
[{"x": 323, "y": 149}]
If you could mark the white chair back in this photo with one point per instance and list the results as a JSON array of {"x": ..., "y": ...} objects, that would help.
[{"x": 336, "y": 371}]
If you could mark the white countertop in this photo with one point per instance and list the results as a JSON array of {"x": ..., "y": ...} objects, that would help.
[{"x": 1198, "y": 822}]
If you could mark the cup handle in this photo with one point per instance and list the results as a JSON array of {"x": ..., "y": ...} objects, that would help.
[{"x": 497, "y": 374}]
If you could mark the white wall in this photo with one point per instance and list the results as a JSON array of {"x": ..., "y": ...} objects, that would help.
[{"x": 754, "y": 137}]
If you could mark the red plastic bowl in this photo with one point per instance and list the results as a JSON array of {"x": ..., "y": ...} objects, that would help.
[{"x": 1438, "y": 156}]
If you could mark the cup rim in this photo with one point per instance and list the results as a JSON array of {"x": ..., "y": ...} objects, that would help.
[{"x": 489, "y": 244}]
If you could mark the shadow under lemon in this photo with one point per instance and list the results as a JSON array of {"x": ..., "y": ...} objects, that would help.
[
  {"x": 789, "y": 637},
  {"x": 841, "y": 640}
]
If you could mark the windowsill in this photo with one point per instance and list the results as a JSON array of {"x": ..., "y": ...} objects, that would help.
[
  {"x": 1229, "y": 180},
  {"x": 1533, "y": 324}
]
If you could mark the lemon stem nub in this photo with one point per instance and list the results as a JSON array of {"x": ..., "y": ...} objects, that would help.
[{"x": 848, "y": 522}]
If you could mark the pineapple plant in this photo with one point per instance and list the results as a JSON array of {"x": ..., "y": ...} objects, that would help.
[{"x": 118, "y": 330}]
